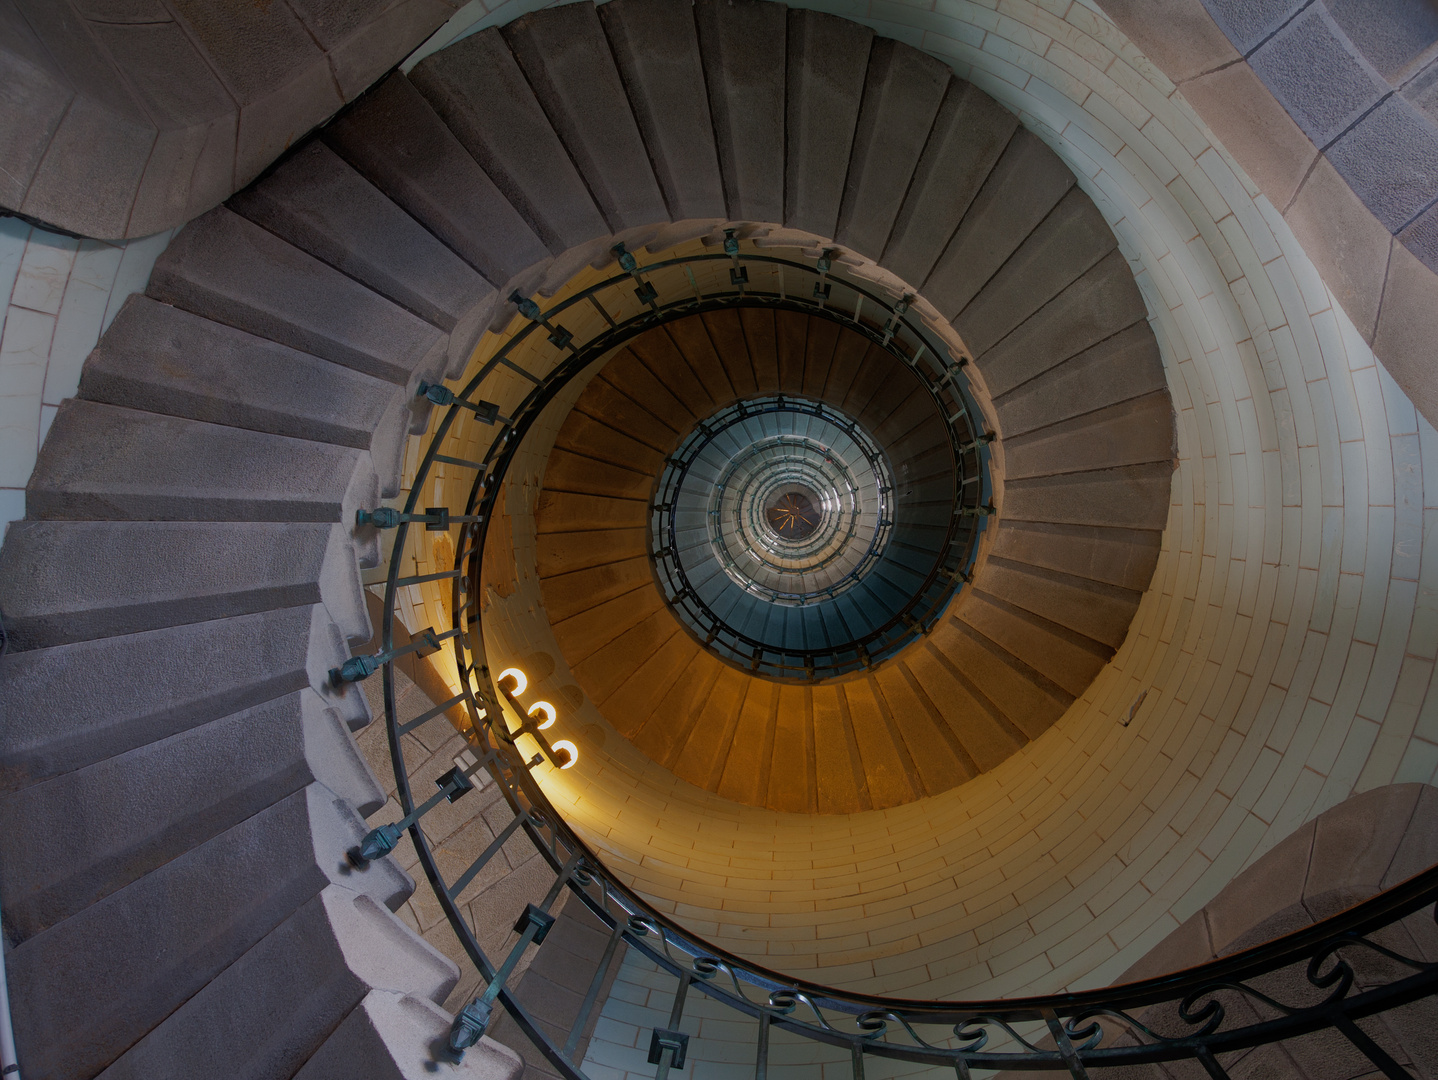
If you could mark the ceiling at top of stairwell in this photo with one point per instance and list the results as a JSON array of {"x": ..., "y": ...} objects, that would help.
[{"x": 655, "y": 123}]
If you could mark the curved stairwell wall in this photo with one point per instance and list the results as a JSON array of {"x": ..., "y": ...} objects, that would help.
[{"x": 1283, "y": 650}]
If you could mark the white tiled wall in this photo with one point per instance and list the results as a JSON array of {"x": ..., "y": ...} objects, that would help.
[{"x": 59, "y": 295}]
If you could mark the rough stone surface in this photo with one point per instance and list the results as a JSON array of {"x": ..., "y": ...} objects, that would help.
[
  {"x": 1249, "y": 22},
  {"x": 477, "y": 88},
  {"x": 1421, "y": 237},
  {"x": 75, "y": 839},
  {"x": 395, "y": 139},
  {"x": 743, "y": 46},
  {"x": 1312, "y": 69},
  {"x": 1070, "y": 239},
  {"x": 66, "y": 581},
  {"x": 111, "y": 463},
  {"x": 1120, "y": 367},
  {"x": 164, "y": 359},
  {"x": 1096, "y": 306},
  {"x": 322, "y": 206},
  {"x": 307, "y": 973},
  {"x": 567, "y": 61},
  {"x": 1025, "y": 184},
  {"x": 1390, "y": 159},
  {"x": 1391, "y": 34},
  {"x": 131, "y": 959},
  {"x": 969, "y": 133},
  {"x": 656, "y": 48},
  {"x": 902, "y": 95},
  {"x": 824, "y": 86},
  {"x": 74, "y": 705},
  {"x": 390, "y": 1036},
  {"x": 231, "y": 270}
]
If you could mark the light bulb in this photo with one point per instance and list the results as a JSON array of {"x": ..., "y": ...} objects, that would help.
[
  {"x": 520, "y": 681},
  {"x": 566, "y": 745},
  {"x": 547, "y": 709}
]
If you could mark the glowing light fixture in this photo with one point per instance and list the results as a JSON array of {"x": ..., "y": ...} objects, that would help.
[
  {"x": 565, "y": 746},
  {"x": 545, "y": 708},
  {"x": 520, "y": 680}
]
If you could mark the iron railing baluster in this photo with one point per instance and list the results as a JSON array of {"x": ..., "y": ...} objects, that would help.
[{"x": 591, "y": 995}]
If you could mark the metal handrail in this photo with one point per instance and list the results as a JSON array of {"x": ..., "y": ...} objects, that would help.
[{"x": 1104, "y": 1027}]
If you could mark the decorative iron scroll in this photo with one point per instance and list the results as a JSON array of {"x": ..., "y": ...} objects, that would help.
[{"x": 1333, "y": 976}]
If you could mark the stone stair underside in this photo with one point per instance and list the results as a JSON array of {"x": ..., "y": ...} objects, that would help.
[{"x": 188, "y": 571}]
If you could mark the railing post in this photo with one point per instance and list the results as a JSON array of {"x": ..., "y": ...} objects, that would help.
[
  {"x": 669, "y": 1046},
  {"x": 761, "y": 1057},
  {"x": 533, "y": 926},
  {"x": 1065, "y": 1045}
]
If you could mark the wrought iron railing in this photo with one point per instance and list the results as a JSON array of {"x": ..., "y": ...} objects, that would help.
[{"x": 1344, "y": 970}]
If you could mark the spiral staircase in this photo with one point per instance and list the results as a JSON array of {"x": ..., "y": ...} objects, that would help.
[{"x": 450, "y": 347}]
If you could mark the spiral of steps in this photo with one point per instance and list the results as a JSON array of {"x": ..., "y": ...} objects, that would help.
[
  {"x": 180, "y": 781},
  {"x": 1045, "y": 609}
]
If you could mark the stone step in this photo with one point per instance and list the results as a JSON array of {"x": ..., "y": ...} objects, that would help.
[
  {"x": 318, "y": 203},
  {"x": 1122, "y": 557},
  {"x": 579, "y": 473},
  {"x": 635, "y": 703},
  {"x": 742, "y": 44},
  {"x": 692, "y": 340},
  {"x": 1026, "y": 700},
  {"x": 1070, "y": 659},
  {"x": 936, "y": 753},
  {"x": 824, "y": 87},
  {"x": 726, "y": 331},
  {"x": 603, "y": 401},
  {"x": 1095, "y": 610},
  {"x": 1095, "y": 307},
  {"x": 233, "y": 271},
  {"x": 74, "y": 705},
  {"x": 658, "y": 353},
  {"x": 606, "y": 442},
  {"x": 566, "y": 58},
  {"x": 985, "y": 733},
  {"x": 69, "y": 581},
  {"x": 401, "y": 146},
  {"x": 761, "y": 338},
  {"x": 1130, "y": 432},
  {"x": 656, "y": 49},
  {"x": 902, "y": 94},
  {"x": 1024, "y": 185},
  {"x": 1073, "y": 237},
  {"x": 1132, "y": 497},
  {"x": 128, "y": 961},
  {"x": 1124, "y": 366},
  {"x": 610, "y": 665},
  {"x": 629, "y": 375},
  {"x": 163, "y": 359},
  {"x": 390, "y": 1036},
  {"x": 478, "y": 90},
  {"x": 104, "y": 462},
  {"x": 969, "y": 133},
  {"x": 310, "y": 972},
  {"x": 140, "y": 809}
]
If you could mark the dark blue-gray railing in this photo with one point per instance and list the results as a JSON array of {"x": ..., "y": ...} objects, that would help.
[{"x": 1064, "y": 1032}]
